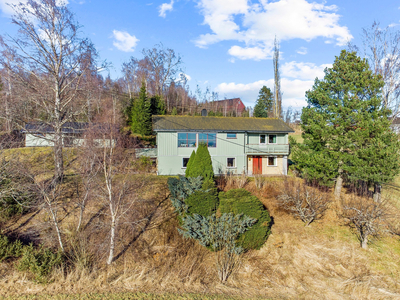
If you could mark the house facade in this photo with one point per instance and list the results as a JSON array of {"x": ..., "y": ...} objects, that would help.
[
  {"x": 236, "y": 145},
  {"x": 73, "y": 134}
]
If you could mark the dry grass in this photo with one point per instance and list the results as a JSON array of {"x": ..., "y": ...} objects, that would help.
[{"x": 321, "y": 261}]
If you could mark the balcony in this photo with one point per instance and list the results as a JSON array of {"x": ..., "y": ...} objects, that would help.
[{"x": 282, "y": 149}]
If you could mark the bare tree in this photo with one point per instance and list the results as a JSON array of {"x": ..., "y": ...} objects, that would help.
[
  {"x": 304, "y": 202},
  {"x": 165, "y": 65},
  {"x": 382, "y": 49},
  {"x": 366, "y": 216},
  {"x": 51, "y": 60},
  {"x": 88, "y": 171}
]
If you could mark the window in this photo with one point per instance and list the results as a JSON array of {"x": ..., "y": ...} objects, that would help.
[
  {"x": 231, "y": 162},
  {"x": 185, "y": 161},
  {"x": 231, "y": 135},
  {"x": 272, "y": 139},
  {"x": 262, "y": 138},
  {"x": 186, "y": 139},
  {"x": 271, "y": 161},
  {"x": 209, "y": 138}
]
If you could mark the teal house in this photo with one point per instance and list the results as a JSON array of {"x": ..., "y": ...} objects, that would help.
[{"x": 236, "y": 144}]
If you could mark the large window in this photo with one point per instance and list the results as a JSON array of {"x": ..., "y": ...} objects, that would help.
[
  {"x": 231, "y": 162},
  {"x": 186, "y": 139},
  {"x": 209, "y": 138}
]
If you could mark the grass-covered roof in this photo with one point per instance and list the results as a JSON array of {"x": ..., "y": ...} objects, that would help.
[{"x": 233, "y": 124}]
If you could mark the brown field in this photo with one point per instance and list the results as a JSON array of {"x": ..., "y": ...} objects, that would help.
[{"x": 321, "y": 261}]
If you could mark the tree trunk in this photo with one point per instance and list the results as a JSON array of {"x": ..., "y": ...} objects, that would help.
[
  {"x": 57, "y": 228},
  {"x": 364, "y": 242},
  {"x": 338, "y": 186},
  {"x": 377, "y": 193},
  {"x": 58, "y": 156},
  {"x": 112, "y": 241},
  {"x": 80, "y": 218}
]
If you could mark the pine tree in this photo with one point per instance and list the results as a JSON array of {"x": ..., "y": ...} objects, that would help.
[
  {"x": 264, "y": 103},
  {"x": 202, "y": 164},
  {"x": 141, "y": 122},
  {"x": 344, "y": 127},
  {"x": 189, "y": 164}
]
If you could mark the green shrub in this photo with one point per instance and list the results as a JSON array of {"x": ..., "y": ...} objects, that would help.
[
  {"x": 204, "y": 203},
  {"x": 9, "y": 249},
  {"x": 189, "y": 164},
  {"x": 240, "y": 201},
  {"x": 202, "y": 164},
  {"x": 40, "y": 262}
]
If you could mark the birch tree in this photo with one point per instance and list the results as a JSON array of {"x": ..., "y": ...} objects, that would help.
[{"x": 51, "y": 59}]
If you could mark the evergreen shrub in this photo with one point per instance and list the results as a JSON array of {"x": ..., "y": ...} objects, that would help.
[
  {"x": 189, "y": 164},
  {"x": 9, "y": 249},
  {"x": 40, "y": 262},
  {"x": 240, "y": 201},
  {"x": 202, "y": 164},
  {"x": 203, "y": 202}
]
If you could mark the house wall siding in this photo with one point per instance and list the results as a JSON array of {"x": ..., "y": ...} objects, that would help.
[
  {"x": 36, "y": 141},
  {"x": 170, "y": 156}
]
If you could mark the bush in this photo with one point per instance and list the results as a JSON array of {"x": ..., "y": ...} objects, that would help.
[
  {"x": 202, "y": 164},
  {"x": 180, "y": 189},
  {"x": 203, "y": 202},
  {"x": 303, "y": 202},
  {"x": 9, "y": 249},
  {"x": 240, "y": 201},
  {"x": 40, "y": 262},
  {"x": 189, "y": 164}
]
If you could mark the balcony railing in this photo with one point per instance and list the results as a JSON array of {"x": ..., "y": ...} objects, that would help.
[
  {"x": 149, "y": 152},
  {"x": 267, "y": 149}
]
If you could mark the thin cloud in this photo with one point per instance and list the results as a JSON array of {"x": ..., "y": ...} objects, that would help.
[
  {"x": 302, "y": 50},
  {"x": 293, "y": 91},
  {"x": 255, "y": 53},
  {"x": 305, "y": 71},
  {"x": 163, "y": 8},
  {"x": 124, "y": 41}
]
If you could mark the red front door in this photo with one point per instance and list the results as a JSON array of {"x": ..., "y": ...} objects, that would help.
[{"x": 257, "y": 165}]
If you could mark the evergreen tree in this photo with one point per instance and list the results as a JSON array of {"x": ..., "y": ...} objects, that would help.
[
  {"x": 344, "y": 124},
  {"x": 264, "y": 103},
  {"x": 202, "y": 164},
  {"x": 157, "y": 105},
  {"x": 141, "y": 122},
  {"x": 174, "y": 112},
  {"x": 189, "y": 164}
]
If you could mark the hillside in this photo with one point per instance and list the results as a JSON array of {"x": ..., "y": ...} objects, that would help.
[{"x": 320, "y": 261}]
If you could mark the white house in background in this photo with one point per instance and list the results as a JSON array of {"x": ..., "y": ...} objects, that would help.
[{"x": 73, "y": 134}]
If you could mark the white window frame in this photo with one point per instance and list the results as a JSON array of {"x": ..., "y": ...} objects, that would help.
[
  {"x": 234, "y": 160},
  {"x": 275, "y": 161}
]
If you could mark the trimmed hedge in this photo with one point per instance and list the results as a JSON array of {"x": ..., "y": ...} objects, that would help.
[{"x": 240, "y": 201}]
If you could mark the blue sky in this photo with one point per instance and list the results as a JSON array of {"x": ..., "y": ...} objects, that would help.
[{"x": 226, "y": 45}]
